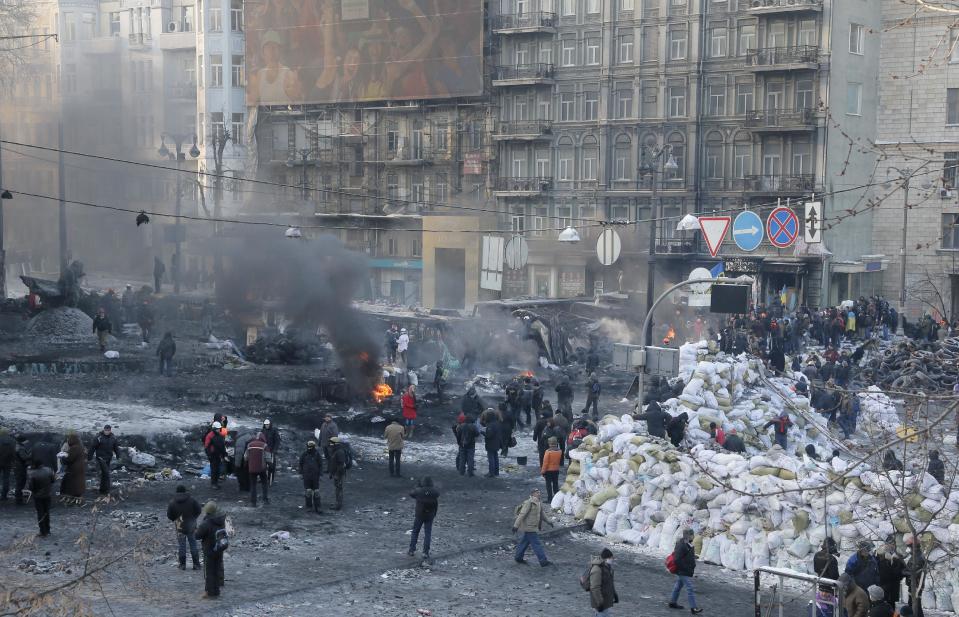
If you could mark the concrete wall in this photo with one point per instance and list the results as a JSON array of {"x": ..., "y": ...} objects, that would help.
[{"x": 447, "y": 232}]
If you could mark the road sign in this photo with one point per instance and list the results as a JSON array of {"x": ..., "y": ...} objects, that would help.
[
  {"x": 813, "y": 227},
  {"x": 748, "y": 231},
  {"x": 608, "y": 247},
  {"x": 714, "y": 230},
  {"x": 782, "y": 227},
  {"x": 491, "y": 273},
  {"x": 517, "y": 252}
]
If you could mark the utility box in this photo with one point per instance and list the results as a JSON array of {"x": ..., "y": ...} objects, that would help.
[
  {"x": 662, "y": 361},
  {"x": 627, "y": 357}
]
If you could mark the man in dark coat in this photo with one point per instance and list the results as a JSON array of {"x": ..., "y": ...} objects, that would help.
[
  {"x": 23, "y": 460},
  {"x": 891, "y": 571},
  {"x": 466, "y": 434},
  {"x": 145, "y": 320},
  {"x": 863, "y": 567},
  {"x": 165, "y": 351},
  {"x": 103, "y": 449},
  {"x": 936, "y": 469},
  {"x": 564, "y": 398},
  {"x": 339, "y": 459},
  {"x": 256, "y": 458},
  {"x": 40, "y": 483},
  {"x": 493, "y": 437},
  {"x": 311, "y": 466},
  {"x": 272, "y": 436},
  {"x": 677, "y": 428},
  {"x": 602, "y": 589},
  {"x": 656, "y": 420},
  {"x": 102, "y": 328},
  {"x": 685, "y": 556},
  {"x": 734, "y": 443},
  {"x": 824, "y": 562},
  {"x": 183, "y": 511},
  {"x": 214, "y": 520},
  {"x": 593, "y": 390},
  {"x": 215, "y": 452},
  {"x": 472, "y": 404},
  {"x": 427, "y": 503},
  {"x": 8, "y": 457}
]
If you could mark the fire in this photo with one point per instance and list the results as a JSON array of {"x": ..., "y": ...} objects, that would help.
[
  {"x": 380, "y": 392},
  {"x": 364, "y": 357},
  {"x": 670, "y": 335}
]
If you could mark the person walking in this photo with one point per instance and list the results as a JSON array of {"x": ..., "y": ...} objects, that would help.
[
  {"x": 40, "y": 483},
  {"x": 324, "y": 434},
  {"x": 602, "y": 589},
  {"x": 439, "y": 381},
  {"x": 74, "y": 462},
  {"x": 685, "y": 557},
  {"x": 530, "y": 517},
  {"x": 409, "y": 411},
  {"x": 211, "y": 532},
  {"x": 104, "y": 448},
  {"x": 215, "y": 446},
  {"x": 493, "y": 441},
  {"x": 165, "y": 351},
  {"x": 102, "y": 328},
  {"x": 394, "y": 434},
  {"x": 339, "y": 463},
  {"x": 402, "y": 345},
  {"x": 158, "y": 270},
  {"x": 593, "y": 390},
  {"x": 564, "y": 398},
  {"x": 781, "y": 426},
  {"x": 145, "y": 319},
  {"x": 8, "y": 457},
  {"x": 855, "y": 602},
  {"x": 552, "y": 461},
  {"x": 272, "y": 436},
  {"x": 466, "y": 434},
  {"x": 183, "y": 511},
  {"x": 256, "y": 458},
  {"x": 311, "y": 466},
  {"x": 427, "y": 504}
]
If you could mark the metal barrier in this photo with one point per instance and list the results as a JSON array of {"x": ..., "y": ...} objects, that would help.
[{"x": 824, "y": 599}]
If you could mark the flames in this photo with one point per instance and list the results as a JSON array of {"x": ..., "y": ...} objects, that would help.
[
  {"x": 670, "y": 335},
  {"x": 381, "y": 392}
]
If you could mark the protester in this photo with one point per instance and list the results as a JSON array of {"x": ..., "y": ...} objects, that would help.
[
  {"x": 915, "y": 573},
  {"x": 8, "y": 457},
  {"x": 439, "y": 381},
  {"x": 856, "y": 602},
  {"x": 734, "y": 443},
  {"x": 472, "y": 404},
  {"x": 879, "y": 607},
  {"x": 215, "y": 447},
  {"x": 211, "y": 533},
  {"x": 102, "y": 328},
  {"x": 256, "y": 459},
  {"x": 656, "y": 419},
  {"x": 466, "y": 434},
  {"x": 40, "y": 483},
  {"x": 394, "y": 434},
  {"x": 239, "y": 469},
  {"x": 593, "y": 390},
  {"x": 325, "y": 433},
  {"x": 165, "y": 351},
  {"x": 530, "y": 517},
  {"x": 602, "y": 589},
  {"x": 24, "y": 459},
  {"x": 676, "y": 429},
  {"x": 74, "y": 462},
  {"x": 863, "y": 567},
  {"x": 891, "y": 571},
  {"x": 717, "y": 434},
  {"x": 340, "y": 461},
  {"x": 564, "y": 398},
  {"x": 780, "y": 426},
  {"x": 272, "y": 436},
  {"x": 493, "y": 441},
  {"x": 936, "y": 467},
  {"x": 104, "y": 448},
  {"x": 427, "y": 504},
  {"x": 402, "y": 345},
  {"x": 311, "y": 466},
  {"x": 685, "y": 557},
  {"x": 183, "y": 512},
  {"x": 824, "y": 562},
  {"x": 409, "y": 411},
  {"x": 549, "y": 468}
]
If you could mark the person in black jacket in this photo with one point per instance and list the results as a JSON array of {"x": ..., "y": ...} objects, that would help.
[
  {"x": 825, "y": 564},
  {"x": 427, "y": 503},
  {"x": 677, "y": 428},
  {"x": 213, "y": 521},
  {"x": 40, "y": 483},
  {"x": 564, "y": 398},
  {"x": 685, "y": 556},
  {"x": 472, "y": 404},
  {"x": 23, "y": 460},
  {"x": 339, "y": 458},
  {"x": 165, "y": 351},
  {"x": 272, "y": 435},
  {"x": 311, "y": 466},
  {"x": 183, "y": 511},
  {"x": 493, "y": 438},
  {"x": 8, "y": 457},
  {"x": 466, "y": 434},
  {"x": 102, "y": 328},
  {"x": 215, "y": 452},
  {"x": 104, "y": 448},
  {"x": 892, "y": 569},
  {"x": 734, "y": 443},
  {"x": 656, "y": 420},
  {"x": 936, "y": 469}
]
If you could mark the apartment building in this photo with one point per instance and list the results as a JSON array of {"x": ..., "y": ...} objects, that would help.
[{"x": 748, "y": 103}]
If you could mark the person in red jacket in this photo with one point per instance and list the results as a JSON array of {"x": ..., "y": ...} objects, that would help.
[
  {"x": 257, "y": 458},
  {"x": 409, "y": 410}
]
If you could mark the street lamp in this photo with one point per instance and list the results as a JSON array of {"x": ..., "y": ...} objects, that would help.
[
  {"x": 177, "y": 155},
  {"x": 905, "y": 174},
  {"x": 569, "y": 236},
  {"x": 651, "y": 156}
]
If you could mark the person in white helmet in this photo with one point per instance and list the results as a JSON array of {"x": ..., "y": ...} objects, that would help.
[
  {"x": 402, "y": 344},
  {"x": 272, "y": 435},
  {"x": 215, "y": 446}
]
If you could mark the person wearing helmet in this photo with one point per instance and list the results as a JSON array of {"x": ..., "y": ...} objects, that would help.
[
  {"x": 402, "y": 344},
  {"x": 311, "y": 466},
  {"x": 272, "y": 436},
  {"x": 215, "y": 446}
]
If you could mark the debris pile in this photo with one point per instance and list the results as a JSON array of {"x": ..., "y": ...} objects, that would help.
[
  {"x": 61, "y": 326},
  {"x": 286, "y": 348},
  {"x": 913, "y": 367}
]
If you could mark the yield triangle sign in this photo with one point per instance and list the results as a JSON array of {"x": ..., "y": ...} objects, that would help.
[{"x": 714, "y": 230}]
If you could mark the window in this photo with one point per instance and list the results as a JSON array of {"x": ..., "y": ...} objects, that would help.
[
  {"x": 238, "y": 72},
  {"x": 717, "y": 42},
  {"x": 199, "y": 70},
  {"x": 216, "y": 19},
  {"x": 590, "y": 105},
  {"x": 592, "y": 7},
  {"x": 216, "y": 70},
  {"x": 808, "y": 33},
  {"x": 416, "y": 247},
  {"x": 627, "y": 5},
  {"x": 623, "y": 159},
  {"x": 714, "y": 160},
  {"x": 952, "y": 105},
  {"x": 949, "y": 175},
  {"x": 520, "y": 108},
  {"x": 566, "y": 164},
  {"x": 542, "y": 164},
  {"x": 546, "y": 53},
  {"x": 186, "y": 18},
  {"x": 650, "y": 94},
  {"x": 744, "y": 98},
  {"x": 391, "y": 246},
  {"x": 569, "y": 52},
  {"x": 776, "y": 34},
  {"x": 441, "y": 191},
  {"x": 115, "y": 23},
  {"x": 417, "y": 189},
  {"x": 539, "y": 222},
  {"x": 544, "y": 108},
  {"x": 650, "y": 43},
  {"x": 392, "y": 187},
  {"x": 625, "y": 48},
  {"x": 747, "y": 38},
  {"x": 954, "y": 45},
  {"x": 802, "y": 158},
  {"x": 567, "y": 106},
  {"x": 716, "y": 99},
  {"x": 216, "y": 124},
  {"x": 950, "y": 231},
  {"x": 521, "y": 54},
  {"x": 590, "y": 158},
  {"x": 677, "y": 44},
  {"x": 569, "y": 7},
  {"x": 592, "y": 51},
  {"x": 678, "y": 153},
  {"x": 677, "y": 101},
  {"x": 624, "y": 102},
  {"x": 804, "y": 94},
  {"x": 518, "y": 168},
  {"x": 236, "y": 15},
  {"x": 565, "y": 215},
  {"x": 70, "y": 27},
  {"x": 522, "y": 6},
  {"x": 857, "y": 39},
  {"x": 743, "y": 160},
  {"x": 518, "y": 223},
  {"x": 236, "y": 129},
  {"x": 854, "y": 99},
  {"x": 69, "y": 78}
]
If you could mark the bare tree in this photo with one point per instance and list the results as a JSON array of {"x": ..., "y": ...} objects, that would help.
[{"x": 16, "y": 19}]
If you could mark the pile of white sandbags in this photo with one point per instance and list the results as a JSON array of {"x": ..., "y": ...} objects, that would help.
[{"x": 750, "y": 511}]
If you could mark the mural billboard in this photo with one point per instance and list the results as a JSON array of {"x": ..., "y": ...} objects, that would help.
[{"x": 341, "y": 51}]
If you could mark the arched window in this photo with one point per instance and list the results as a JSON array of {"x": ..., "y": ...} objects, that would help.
[
  {"x": 590, "y": 159},
  {"x": 564, "y": 160},
  {"x": 742, "y": 155},
  {"x": 623, "y": 158},
  {"x": 678, "y": 153},
  {"x": 715, "y": 159}
]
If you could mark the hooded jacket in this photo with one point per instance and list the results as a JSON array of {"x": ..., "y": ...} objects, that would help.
[
  {"x": 685, "y": 556},
  {"x": 467, "y": 434},
  {"x": 656, "y": 420},
  {"x": 677, "y": 428},
  {"x": 184, "y": 510},
  {"x": 338, "y": 460},
  {"x": 104, "y": 447},
  {"x": 856, "y": 602},
  {"x": 206, "y": 532},
  {"x": 311, "y": 465},
  {"x": 427, "y": 501},
  {"x": 602, "y": 590},
  {"x": 494, "y": 439},
  {"x": 40, "y": 482}
]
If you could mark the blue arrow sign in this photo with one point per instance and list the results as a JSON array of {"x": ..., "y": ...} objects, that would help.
[{"x": 748, "y": 231}]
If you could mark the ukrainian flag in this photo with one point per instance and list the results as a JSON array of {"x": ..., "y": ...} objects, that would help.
[{"x": 718, "y": 270}]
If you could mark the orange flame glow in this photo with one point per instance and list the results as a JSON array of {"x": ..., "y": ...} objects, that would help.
[
  {"x": 380, "y": 392},
  {"x": 670, "y": 335}
]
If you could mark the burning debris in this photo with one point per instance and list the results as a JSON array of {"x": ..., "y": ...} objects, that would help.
[
  {"x": 381, "y": 392},
  {"x": 289, "y": 347}
]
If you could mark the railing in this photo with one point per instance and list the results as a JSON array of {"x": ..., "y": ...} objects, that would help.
[
  {"x": 522, "y": 185},
  {"x": 524, "y": 20},
  {"x": 802, "y": 183},
  {"x": 771, "y": 56},
  {"x": 676, "y": 246},
  {"x": 534, "y": 127},
  {"x": 785, "y": 4},
  {"x": 136, "y": 38},
  {"x": 409, "y": 155},
  {"x": 538, "y": 70},
  {"x": 780, "y": 118}
]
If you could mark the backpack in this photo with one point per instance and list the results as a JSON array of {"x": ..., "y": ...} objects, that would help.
[
  {"x": 221, "y": 541},
  {"x": 671, "y": 566},
  {"x": 595, "y": 388},
  {"x": 207, "y": 440},
  {"x": 349, "y": 457},
  {"x": 584, "y": 578}
]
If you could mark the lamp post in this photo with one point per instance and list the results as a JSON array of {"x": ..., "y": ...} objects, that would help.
[
  {"x": 652, "y": 157},
  {"x": 4, "y": 194},
  {"x": 905, "y": 175},
  {"x": 177, "y": 155}
]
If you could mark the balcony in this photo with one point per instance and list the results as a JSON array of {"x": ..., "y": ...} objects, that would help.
[
  {"x": 771, "y": 7},
  {"x": 521, "y": 187},
  {"x": 138, "y": 40},
  {"x": 781, "y": 120},
  {"x": 785, "y": 185},
  {"x": 525, "y": 23},
  {"x": 101, "y": 45},
  {"x": 186, "y": 91},
  {"x": 409, "y": 157},
  {"x": 523, "y": 131},
  {"x": 523, "y": 75},
  {"x": 171, "y": 41},
  {"x": 796, "y": 58},
  {"x": 677, "y": 247}
]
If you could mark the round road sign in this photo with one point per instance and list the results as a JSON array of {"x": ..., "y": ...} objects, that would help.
[
  {"x": 782, "y": 227},
  {"x": 517, "y": 252},
  {"x": 748, "y": 231},
  {"x": 608, "y": 247}
]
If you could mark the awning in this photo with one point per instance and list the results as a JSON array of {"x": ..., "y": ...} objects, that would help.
[{"x": 397, "y": 264}]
